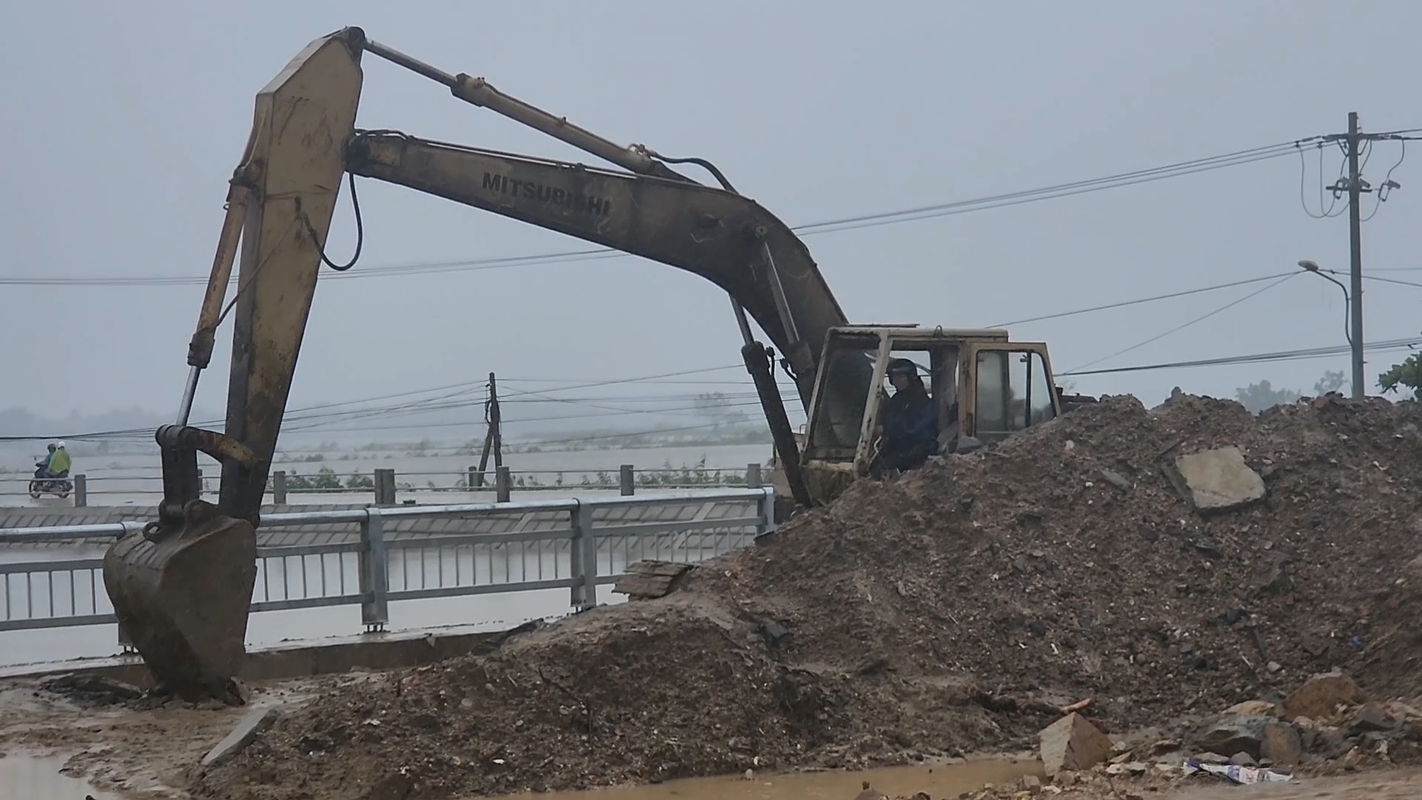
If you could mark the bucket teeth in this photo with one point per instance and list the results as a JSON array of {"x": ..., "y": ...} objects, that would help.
[{"x": 183, "y": 598}]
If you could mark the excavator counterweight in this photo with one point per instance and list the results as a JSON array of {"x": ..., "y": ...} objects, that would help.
[{"x": 182, "y": 587}]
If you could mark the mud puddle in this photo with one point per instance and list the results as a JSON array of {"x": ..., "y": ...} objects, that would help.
[
  {"x": 939, "y": 780},
  {"x": 29, "y": 777}
]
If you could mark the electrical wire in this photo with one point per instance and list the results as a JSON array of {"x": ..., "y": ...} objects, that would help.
[
  {"x": 1303, "y": 171},
  {"x": 1239, "y": 158},
  {"x": 1201, "y": 318},
  {"x": 918, "y": 213},
  {"x": 1140, "y": 301},
  {"x": 296, "y": 413},
  {"x": 1256, "y": 358},
  {"x": 1384, "y": 189}
]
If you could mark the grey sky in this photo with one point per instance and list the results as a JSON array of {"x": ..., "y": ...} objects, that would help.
[{"x": 125, "y": 121}]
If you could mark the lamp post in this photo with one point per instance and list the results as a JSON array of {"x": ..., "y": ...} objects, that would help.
[{"x": 1357, "y": 346}]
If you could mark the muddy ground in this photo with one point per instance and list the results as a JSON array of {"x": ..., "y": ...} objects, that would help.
[
  {"x": 147, "y": 750},
  {"x": 125, "y": 743}
]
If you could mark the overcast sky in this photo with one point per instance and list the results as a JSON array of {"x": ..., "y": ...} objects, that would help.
[{"x": 125, "y": 121}]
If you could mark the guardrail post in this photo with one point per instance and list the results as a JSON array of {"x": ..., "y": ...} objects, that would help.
[
  {"x": 385, "y": 487},
  {"x": 584, "y": 558},
  {"x": 753, "y": 476},
  {"x": 474, "y": 479},
  {"x": 502, "y": 481},
  {"x": 374, "y": 579},
  {"x": 279, "y": 487},
  {"x": 202, "y": 484},
  {"x": 624, "y": 480},
  {"x": 81, "y": 490},
  {"x": 766, "y": 509}
]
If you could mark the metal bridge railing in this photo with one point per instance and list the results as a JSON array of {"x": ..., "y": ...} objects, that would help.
[
  {"x": 321, "y": 479},
  {"x": 458, "y": 550}
]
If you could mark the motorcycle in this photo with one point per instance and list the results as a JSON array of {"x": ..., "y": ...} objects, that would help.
[{"x": 60, "y": 487}]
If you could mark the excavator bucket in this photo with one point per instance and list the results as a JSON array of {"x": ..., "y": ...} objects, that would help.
[{"x": 182, "y": 596}]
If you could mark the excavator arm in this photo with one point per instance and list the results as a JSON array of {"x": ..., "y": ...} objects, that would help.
[
  {"x": 723, "y": 237},
  {"x": 181, "y": 588}
]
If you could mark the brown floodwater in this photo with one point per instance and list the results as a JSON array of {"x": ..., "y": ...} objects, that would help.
[
  {"x": 29, "y": 777},
  {"x": 938, "y": 780}
]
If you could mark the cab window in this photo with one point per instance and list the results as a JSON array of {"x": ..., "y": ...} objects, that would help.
[
  {"x": 1013, "y": 392},
  {"x": 848, "y": 378}
]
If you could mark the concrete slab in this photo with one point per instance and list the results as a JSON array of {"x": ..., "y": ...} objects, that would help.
[
  {"x": 1072, "y": 743},
  {"x": 298, "y": 659},
  {"x": 251, "y": 726},
  {"x": 1219, "y": 480}
]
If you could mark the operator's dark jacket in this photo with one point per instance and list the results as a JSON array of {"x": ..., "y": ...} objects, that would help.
[{"x": 910, "y": 428}]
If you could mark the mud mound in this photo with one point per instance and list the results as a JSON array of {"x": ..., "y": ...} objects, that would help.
[
  {"x": 1067, "y": 562},
  {"x": 947, "y": 610},
  {"x": 640, "y": 693}
]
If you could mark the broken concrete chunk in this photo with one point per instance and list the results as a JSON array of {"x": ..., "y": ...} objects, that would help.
[
  {"x": 1372, "y": 718},
  {"x": 1116, "y": 479},
  {"x": 1218, "y": 480},
  {"x": 1072, "y": 743},
  {"x": 1252, "y": 708},
  {"x": 1234, "y": 733},
  {"x": 1281, "y": 744},
  {"x": 1321, "y": 695},
  {"x": 253, "y": 725}
]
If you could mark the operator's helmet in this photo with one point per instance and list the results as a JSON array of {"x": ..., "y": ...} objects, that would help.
[
  {"x": 59, "y": 445},
  {"x": 902, "y": 366}
]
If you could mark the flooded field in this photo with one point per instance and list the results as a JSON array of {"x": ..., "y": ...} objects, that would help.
[{"x": 127, "y": 480}]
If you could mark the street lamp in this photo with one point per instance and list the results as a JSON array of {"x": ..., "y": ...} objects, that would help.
[{"x": 1312, "y": 266}]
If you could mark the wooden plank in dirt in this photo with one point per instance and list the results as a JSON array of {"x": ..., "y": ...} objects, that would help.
[{"x": 646, "y": 580}]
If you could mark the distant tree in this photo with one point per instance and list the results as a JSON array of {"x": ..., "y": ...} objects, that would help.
[
  {"x": 1258, "y": 396},
  {"x": 1330, "y": 382},
  {"x": 1408, "y": 375},
  {"x": 717, "y": 408}
]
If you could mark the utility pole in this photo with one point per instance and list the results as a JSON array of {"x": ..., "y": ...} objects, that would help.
[
  {"x": 493, "y": 436},
  {"x": 1355, "y": 187},
  {"x": 1355, "y": 248}
]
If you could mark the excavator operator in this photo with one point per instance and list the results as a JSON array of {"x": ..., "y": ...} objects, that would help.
[{"x": 909, "y": 422}]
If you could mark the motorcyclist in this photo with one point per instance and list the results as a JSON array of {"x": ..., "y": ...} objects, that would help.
[
  {"x": 909, "y": 424},
  {"x": 56, "y": 464}
]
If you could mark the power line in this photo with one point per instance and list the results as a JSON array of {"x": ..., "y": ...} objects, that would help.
[
  {"x": 297, "y": 412},
  {"x": 1142, "y": 300},
  {"x": 1255, "y": 358},
  {"x": 915, "y": 214},
  {"x": 1238, "y": 158},
  {"x": 1200, "y": 318}
]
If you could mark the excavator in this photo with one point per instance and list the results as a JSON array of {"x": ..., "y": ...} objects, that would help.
[{"x": 182, "y": 586}]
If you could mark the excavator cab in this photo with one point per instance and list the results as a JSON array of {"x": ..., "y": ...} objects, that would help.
[{"x": 984, "y": 388}]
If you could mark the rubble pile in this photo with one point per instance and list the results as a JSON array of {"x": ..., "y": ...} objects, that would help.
[{"x": 1128, "y": 565}]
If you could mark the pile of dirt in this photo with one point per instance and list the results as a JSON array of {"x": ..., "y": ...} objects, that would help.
[{"x": 951, "y": 609}]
